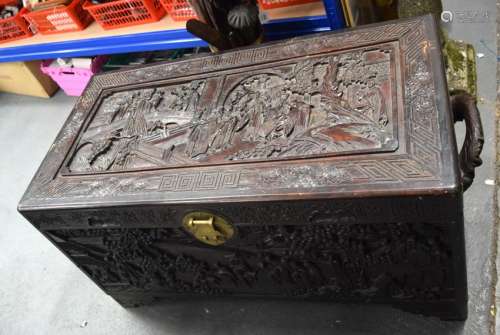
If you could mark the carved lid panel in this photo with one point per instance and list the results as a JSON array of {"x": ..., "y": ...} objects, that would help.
[
  {"x": 330, "y": 104},
  {"x": 362, "y": 112}
]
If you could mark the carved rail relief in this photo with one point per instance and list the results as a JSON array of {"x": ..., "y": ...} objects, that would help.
[{"x": 331, "y": 104}]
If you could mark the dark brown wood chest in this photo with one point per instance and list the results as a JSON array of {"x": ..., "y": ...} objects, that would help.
[{"x": 322, "y": 167}]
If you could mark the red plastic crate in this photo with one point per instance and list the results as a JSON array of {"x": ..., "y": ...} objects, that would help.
[
  {"x": 270, "y": 4},
  {"x": 60, "y": 19},
  {"x": 179, "y": 10},
  {"x": 15, "y": 27},
  {"x": 123, "y": 13}
]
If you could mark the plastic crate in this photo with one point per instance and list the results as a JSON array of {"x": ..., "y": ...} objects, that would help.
[
  {"x": 270, "y": 4},
  {"x": 123, "y": 13},
  {"x": 15, "y": 27},
  {"x": 71, "y": 79},
  {"x": 179, "y": 10},
  {"x": 60, "y": 19}
]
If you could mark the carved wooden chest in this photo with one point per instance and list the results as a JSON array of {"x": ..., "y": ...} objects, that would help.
[{"x": 322, "y": 167}]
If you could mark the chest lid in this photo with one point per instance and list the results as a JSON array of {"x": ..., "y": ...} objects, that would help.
[{"x": 356, "y": 113}]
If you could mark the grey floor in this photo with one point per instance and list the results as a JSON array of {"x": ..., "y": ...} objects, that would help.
[{"x": 41, "y": 292}]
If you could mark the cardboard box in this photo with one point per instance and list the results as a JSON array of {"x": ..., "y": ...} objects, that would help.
[{"x": 26, "y": 78}]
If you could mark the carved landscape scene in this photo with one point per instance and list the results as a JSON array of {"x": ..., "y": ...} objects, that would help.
[
  {"x": 400, "y": 261},
  {"x": 328, "y": 105}
]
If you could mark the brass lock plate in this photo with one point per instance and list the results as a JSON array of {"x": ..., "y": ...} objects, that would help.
[{"x": 208, "y": 228}]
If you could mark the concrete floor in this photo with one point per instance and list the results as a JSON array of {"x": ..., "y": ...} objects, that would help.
[{"x": 41, "y": 292}]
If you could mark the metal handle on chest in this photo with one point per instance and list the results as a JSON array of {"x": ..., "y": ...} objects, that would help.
[
  {"x": 464, "y": 108},
  {"x": 208, "y": 228}
]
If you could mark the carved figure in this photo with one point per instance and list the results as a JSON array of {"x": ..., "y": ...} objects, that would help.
[{"x": 226, "y": 24}]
